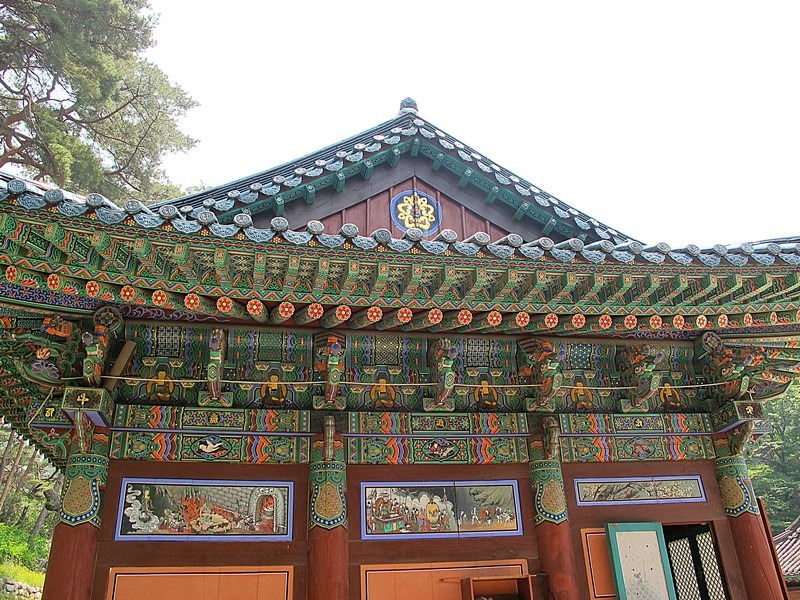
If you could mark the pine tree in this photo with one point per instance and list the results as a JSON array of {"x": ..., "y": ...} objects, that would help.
[
  {"x": 775, "y": 467},
  {"x": 79, "y": 105}
]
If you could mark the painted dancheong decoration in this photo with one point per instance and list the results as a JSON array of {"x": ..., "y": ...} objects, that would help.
[
  {"x": 413, "y": 208},
  {"x": 399, "y": 303},
  {"x": 638, "y": 490},
  {"x": 440, "y": 509},
  {"x": 189, "y": 510}
]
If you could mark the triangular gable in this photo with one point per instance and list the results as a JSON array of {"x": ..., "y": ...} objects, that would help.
[
  {"x": 409, "y": 203},
  {"x": 403, "y": 154}
]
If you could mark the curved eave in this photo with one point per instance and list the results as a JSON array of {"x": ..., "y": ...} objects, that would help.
[
  {"x": 79, "y": 260},
  {"x": 96, "y": 214}
]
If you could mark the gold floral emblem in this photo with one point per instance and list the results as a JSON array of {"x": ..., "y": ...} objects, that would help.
[{"x": 413, "y": 210}]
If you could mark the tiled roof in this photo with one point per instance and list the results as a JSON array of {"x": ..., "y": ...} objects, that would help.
[
  {"x": 787, "y": 545},
  {"x": 32, "y": 196},
  {"x": 405, "y": 135},
  {"x": 256, "y": 192}
]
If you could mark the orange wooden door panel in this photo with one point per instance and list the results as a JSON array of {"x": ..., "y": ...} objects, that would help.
[
  {"x": 200, "y": 583},
  {"x": 429, "y": 581},
  {"x": 599, "y": 571}
]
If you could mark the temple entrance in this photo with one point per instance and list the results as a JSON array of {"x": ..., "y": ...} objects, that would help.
[{"x": 694, "y": 562}]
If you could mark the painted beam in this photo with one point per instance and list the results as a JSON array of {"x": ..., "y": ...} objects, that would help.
[
  {"x": 309, "y": 314},
  {"x": 785, "y": 288},
  {"x": 366, "y": 318},
  {"x": 321, "y": 275},
  {"x": 411, "y": 282},
  {"x": 380, "y": 275},
  {"x": 679, "y": 284},
  {"x": 452, "y": 320},
  {"x": 395, "y": 318},
  {"x": 424, "y": 320},
  {"x": 444, "y": 281},
  {"x": 475, "y": 284},
  {"x": 705, "y": 285},
  {"x": 760, "y": 284}
]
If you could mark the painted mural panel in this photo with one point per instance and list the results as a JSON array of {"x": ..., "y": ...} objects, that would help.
[
  {"x": 639, "y": 490},
  {"x": 203, "y": 510},
  {"x": 436, "y": 509}
]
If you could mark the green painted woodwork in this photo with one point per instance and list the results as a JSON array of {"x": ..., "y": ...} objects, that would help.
[
  {"x": 735, "y": 486},
  {"x": 113, "y": 256},
  {"x": 85, "y": 480},
  {"x": 637, "y": 360},
  {"x": 328, "y": 483},
  {"x": 640, "y": 560},
  {"x": 549, "y": 499}
]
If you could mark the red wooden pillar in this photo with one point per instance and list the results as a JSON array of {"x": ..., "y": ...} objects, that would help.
[
  {"x": 70, "y": 570},
  {"x": 328, "y": 563},
  {"x": 558, "y": 561},
  {"x": 761, "y": 578},
  {"x": 553, "y": 531}
]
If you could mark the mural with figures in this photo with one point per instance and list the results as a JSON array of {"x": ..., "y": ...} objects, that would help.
[
  {"x": 439, "y": 509},
  {"x": 187, "y": 510}
]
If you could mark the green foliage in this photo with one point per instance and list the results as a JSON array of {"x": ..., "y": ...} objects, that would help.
[
  {"x": 26, "y": 496},
  {"x": 21, "y": 574},
  {"x": 78, "y": 103},
  {"x": 775, "y": 467},
  {"x": 14, "y": 547}
]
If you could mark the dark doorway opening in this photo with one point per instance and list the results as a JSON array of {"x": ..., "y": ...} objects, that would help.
[{"x": 694, "y": 562}]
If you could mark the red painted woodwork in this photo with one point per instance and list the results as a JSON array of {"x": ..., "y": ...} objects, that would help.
[
  {"x": 74, "y": 557},
  {"x": 475, "y": 588},
  {"x": 597, "y": 557},
  {"x": 210, "y": 555},
  {"x": 558, "y": 561},
  {"x": 772, "y": 550},
  {"x": 327, "y": 564},
  {"x": 70, "y": 570},
  {"x": 426, "y": 551},
  {"x": 761, "y": 579},
  {"x": 712, "y": 512},
  {"x": 328, "y": 557},
  {"x": 373, "y": 213}
]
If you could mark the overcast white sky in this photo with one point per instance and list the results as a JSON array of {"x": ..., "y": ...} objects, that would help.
[{"x": 674, "y": 121}]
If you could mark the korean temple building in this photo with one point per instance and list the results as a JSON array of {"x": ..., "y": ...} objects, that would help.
[
  {"x": 391, "y": 369},
  {"x": 787, "y": 547}
]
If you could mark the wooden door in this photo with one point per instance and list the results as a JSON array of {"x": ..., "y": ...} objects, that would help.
[{"x": 213, "y": 583}]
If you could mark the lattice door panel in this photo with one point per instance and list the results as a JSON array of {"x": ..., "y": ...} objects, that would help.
[{"x": 693, "y": 561}]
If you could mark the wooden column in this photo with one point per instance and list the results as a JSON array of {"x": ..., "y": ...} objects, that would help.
[
  {"x": 553, "y": 531},
  {"x": 761, "y": 578},
  {"x": 328, "y": 563},
  {"x": 70, "y": 570}
]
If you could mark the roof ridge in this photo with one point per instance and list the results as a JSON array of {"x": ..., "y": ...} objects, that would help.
[
  {"x": 792, "y": 529},
  {"x": 285, "y": 165},
  {"x": 305, "y": 170}
]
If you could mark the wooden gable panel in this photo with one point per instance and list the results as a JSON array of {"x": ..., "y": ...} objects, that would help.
[{"x": 374, "y": 213}]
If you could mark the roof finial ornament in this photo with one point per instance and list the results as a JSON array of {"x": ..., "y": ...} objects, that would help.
[{"x": 408, "y": 105}]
